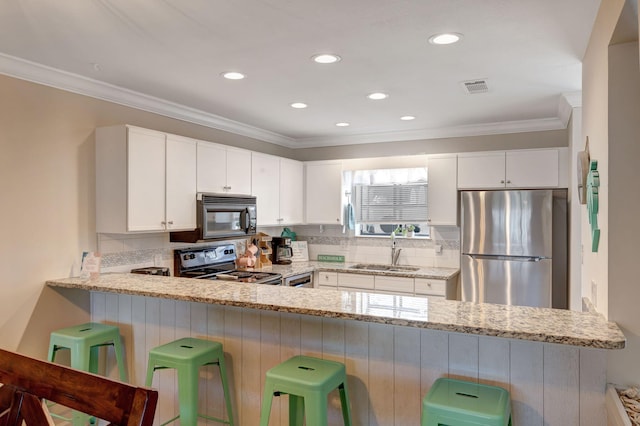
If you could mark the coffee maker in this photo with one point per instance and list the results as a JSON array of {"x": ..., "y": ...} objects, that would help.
[{"x": 282, "y": 251}]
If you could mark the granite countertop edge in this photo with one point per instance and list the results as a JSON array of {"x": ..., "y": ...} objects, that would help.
[{"x": 582, "y": 329}]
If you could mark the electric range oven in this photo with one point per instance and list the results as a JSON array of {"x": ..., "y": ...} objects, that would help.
[{"x": 217, "y": 263}]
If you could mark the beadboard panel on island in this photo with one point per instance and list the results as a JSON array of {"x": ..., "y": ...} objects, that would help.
[{"x": 390, "y": 368}]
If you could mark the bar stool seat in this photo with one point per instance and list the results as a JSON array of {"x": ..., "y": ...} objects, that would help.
[
  {"x": 307, "y": 381},
  {"x": 460, "y": 403},
  {"x": 84, "y": 342},
  {"x": 187, "y": 355}
]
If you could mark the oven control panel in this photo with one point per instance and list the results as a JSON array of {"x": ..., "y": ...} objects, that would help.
[{"x": 207, "y": 256}]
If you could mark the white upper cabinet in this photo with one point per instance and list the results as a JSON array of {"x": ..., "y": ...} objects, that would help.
[
  {"x": 291, "y": 192},
  {"x": 180, "y": 183},
  {"x": 510, "y": 169},
  {"x": 532, "y": 169},
  {"x": 223, "y": 169},
  {"x": 278, "y": 185},
  {"x": 323, "y": 192},
  {"x": 265, "y": 186},
  {"x": 442, "y": 193},
  {"x": 145, "y": 181}
]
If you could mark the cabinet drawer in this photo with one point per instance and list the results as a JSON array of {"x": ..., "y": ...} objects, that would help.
[
  {"x": 356, "y": 281},
  {"x": 394, "y": 284},
  {"x": 328, "y": 287},
  {"x": 431, "y": 287},
  {"x": 325, "y": 279}
]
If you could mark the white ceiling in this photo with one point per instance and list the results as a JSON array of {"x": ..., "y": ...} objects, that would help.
[{"x": 166, "y": 56}]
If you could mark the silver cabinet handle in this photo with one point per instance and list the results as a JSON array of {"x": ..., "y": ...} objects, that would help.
[
  {"x": 170, "y": 222},
  {"x": 502, "y": 181}
]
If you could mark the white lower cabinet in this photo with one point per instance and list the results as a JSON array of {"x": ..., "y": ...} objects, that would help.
[
  {"x": 431, "y": 287},
  {"x": 323, "y": 279},
  {"x": 386, "y": 284},
  {"x": 395, "y": 285},
  {"x": 356, "y": 281}
]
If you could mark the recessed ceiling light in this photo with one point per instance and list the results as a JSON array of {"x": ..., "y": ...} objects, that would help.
[
  {"x": 377, "y": 96},
  {"x": 233, "y": 75},
  {"x": 326, "y": 58},
  {"x": 407, "y": 117},
  {"x": 298, "y": 105},
  {"x": 445, "y": 38},
  {"x": 342, "y": 124}
]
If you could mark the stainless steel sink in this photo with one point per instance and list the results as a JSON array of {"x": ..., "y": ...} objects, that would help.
[{"x": 376, "y": 267}]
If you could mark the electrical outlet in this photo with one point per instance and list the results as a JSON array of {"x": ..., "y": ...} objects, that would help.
[
  {"x": 438, "y": 248},
  {"x": 594, "y": 293}
]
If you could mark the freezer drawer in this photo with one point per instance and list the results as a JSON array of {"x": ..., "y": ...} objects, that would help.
[{"x": 506, "y": 280}]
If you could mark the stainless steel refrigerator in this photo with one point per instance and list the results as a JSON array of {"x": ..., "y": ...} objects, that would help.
[{"x": 514, "y": 247}]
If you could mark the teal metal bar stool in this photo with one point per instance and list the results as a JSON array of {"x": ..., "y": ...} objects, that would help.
[
  {"x": 459, "y": 403},
  {"x": 84, "y": 342},
  {"x": 187, "y": 355},
  {"x": 308, "y": 381}
]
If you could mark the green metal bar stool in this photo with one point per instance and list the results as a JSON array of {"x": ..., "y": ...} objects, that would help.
[
  {"x": 84, "y": 342},
  {"x": 187, "y": 355},
  {"x": 459, "y": 403},
  {"x": 308, "y": 381}
]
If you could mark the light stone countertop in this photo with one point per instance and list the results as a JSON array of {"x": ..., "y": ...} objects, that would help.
[
  {"x": 582, "y": 329},
  {"x": 296, "y": 268}
]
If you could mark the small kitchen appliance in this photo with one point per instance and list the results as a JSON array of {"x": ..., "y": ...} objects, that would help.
[
  {"x": 282, "y": 251},
  {"x": 217, "y": 263},
  {"x": 220, "y": 216},
  {"x": 151, "y": 270}
]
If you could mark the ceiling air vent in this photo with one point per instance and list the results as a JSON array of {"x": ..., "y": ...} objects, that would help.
[{"x": 475, "y": 86}]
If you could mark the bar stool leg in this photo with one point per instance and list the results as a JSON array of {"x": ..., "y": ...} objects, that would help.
[
  {"x": 296, "y": 410},
  {"x": 344, "y": 400},
  {"x": 225, "y": 388},
  {"x": 316, "y": 410},
  {"x": 267, "y": 397},
  {"x": 188, "y": 376},
  {"x": 119, "y": 352}
]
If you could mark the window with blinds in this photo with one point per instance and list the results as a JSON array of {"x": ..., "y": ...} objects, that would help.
[{"x": 390, "y": 203}]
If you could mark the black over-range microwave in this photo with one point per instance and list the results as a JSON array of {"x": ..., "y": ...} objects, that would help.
[{"x": 221, "y": 216}]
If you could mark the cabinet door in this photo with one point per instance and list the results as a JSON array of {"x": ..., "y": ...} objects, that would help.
[
  {"x": 323, "y": 193},
  {"x": 146, "y": 180},
  {"x": 442, "y": 197},
  {"x": 265, "y": 185},
  {"x": 479, "y": 171},
  {"x": 532, "y": 169},
  {"x": 291, "y": 191},
  {"x": 238, "y": 171},
  {"x": 181, "y": 183},
  {"x": 211, "y": 168}
]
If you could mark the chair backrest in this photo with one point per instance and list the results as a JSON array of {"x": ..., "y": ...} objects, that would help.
[{"x": 27, "y": 381}]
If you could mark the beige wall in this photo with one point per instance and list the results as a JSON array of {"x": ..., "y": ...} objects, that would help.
[
  {"x": 47, "y": 209},
  {"x": 611, "y": 119},
  {"x": 624, "y": 207},
  {"x": 595, "y": 126},
  {"x": 547, "y": 139}
]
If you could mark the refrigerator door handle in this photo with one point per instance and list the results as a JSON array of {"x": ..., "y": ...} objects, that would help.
[{"x": 510, "y": 258}]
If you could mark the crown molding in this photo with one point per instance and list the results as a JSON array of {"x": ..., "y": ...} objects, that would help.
[
  {"x": 566, "y": 104},
  {"x": 63, "y": 80},
  {"x": 441, "y": 133},
  {"x": 48, "y": 76}
]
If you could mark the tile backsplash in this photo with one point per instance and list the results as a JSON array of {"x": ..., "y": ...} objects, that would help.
[{"x": 121, "y": 253}]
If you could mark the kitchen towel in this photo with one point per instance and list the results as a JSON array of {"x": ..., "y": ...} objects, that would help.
[{"x": 349, "y": 216}]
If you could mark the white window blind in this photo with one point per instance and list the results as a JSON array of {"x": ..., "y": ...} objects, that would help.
[{"x": 391, "y": 203}]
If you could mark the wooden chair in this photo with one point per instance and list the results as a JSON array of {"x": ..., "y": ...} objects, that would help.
[{"x": 28, "y": 381}]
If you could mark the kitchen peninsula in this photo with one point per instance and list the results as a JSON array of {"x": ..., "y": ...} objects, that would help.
[{"x": 394, "y": 347}]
